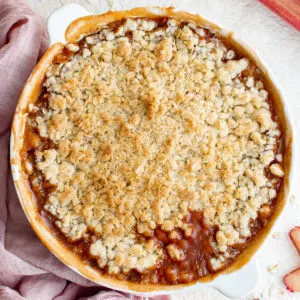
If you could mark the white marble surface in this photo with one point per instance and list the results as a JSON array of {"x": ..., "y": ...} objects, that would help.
[{"x": 279, "y": 45}]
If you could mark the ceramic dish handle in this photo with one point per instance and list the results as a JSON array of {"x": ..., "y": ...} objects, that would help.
[
  {"x": 61, "y": 18},
  {"x": 235, "y": 285},
  {"x": 240, "y": 283}
]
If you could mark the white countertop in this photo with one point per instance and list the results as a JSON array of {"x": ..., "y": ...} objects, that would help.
[{"x": 278, "y": 44}]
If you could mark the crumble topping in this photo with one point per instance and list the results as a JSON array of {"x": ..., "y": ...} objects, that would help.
[{"x": 148, "y": 123}]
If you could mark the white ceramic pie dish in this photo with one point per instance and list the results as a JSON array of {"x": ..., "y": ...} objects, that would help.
[{"x": 233, "y": 285}]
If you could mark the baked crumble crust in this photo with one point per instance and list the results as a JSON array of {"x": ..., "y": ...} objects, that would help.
[{"x": 148, "y": 123}]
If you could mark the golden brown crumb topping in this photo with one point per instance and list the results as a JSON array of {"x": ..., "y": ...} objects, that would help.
[{"x": 148, "y": 123}]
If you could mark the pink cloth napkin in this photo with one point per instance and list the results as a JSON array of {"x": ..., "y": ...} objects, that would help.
[{"x": 27, "y": 269}]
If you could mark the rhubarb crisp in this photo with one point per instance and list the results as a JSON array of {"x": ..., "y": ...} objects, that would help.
[{"x": 154, "y": 150}]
